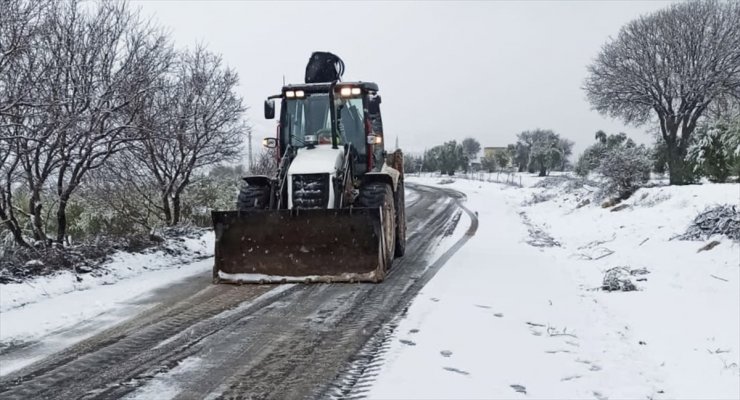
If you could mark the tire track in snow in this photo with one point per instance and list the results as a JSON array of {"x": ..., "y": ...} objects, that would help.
[
  {"x": 357, "y": 378},
  {"x": 294, "y": 344}
]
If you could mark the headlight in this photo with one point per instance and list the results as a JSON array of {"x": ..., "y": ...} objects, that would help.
[
  {"x": 270, "y": 143},
  {"x": 290, "y": 94},
  {"x": 348, "y": 91},
  {"x": 374, "y": 139}
]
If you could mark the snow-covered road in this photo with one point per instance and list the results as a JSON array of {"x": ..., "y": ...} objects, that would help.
[{"x": 193, "y": 339}]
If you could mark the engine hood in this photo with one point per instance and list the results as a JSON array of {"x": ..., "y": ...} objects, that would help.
[{"x": 321, "y": 159}]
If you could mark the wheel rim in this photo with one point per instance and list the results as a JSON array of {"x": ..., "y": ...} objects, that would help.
[{"x": 390, "y": 231}]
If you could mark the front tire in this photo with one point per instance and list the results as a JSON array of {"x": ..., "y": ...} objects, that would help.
[
  {"x": 375, "y": 195},
  {"x": 253, "y": 197}
]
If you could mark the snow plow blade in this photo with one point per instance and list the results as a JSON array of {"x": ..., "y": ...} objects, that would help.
[{"x": 272, "y": 246}]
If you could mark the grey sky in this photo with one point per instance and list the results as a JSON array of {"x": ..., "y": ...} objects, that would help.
[{"x": 445, "y": 70}]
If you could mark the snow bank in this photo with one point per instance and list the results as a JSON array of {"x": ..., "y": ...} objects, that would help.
[
  {"x": 122, "y": 266},
  {"x": 504, "y": 318}
]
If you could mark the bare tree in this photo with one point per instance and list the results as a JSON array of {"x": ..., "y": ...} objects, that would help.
[
  {"x": 109, "y": 61},
  {"x": 128, "y": 190},
  {"x": 265, "y": 163},
  {"x": 672, "y": 64},
  {"x": 8, "y": 177},
  {"x": 92, "y": 100},
  {"x": 25, "y": 123},
  {"x": 194, "y": 121},
  {"x": 19, "y": 21}
]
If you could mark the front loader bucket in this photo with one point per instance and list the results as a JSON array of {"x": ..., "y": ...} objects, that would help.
[{"x": 342, "y": 245}]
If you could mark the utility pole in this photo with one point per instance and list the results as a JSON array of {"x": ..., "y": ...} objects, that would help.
[{"x": 249, "y": 145}]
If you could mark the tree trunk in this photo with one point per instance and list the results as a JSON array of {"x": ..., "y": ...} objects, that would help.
[
  {"x": 176, "y": 209},
  {"x": 62, "y": 220},
  {"x": 166, "y": 208},
  {"x": 34, "y": 207},
  {"x": 677, "y": 168},
  {"x": 676, "y": 149},
  {"x": 543, "y": 171},
  {"x": 15, "y": 230}
]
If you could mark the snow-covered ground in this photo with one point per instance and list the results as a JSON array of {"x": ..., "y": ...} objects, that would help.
[
  {"x": 517, "y": 312},
  {"x": 46, "y": 308}
]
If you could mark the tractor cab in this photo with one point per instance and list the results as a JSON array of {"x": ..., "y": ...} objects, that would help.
[{"x": 331, "y": 114}]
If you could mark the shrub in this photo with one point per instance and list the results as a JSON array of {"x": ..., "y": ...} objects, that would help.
[{"x": 625, "y": 169}]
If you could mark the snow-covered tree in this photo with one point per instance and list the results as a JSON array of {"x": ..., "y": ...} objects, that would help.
[
  {"x": 593, "y": 156},
  {"x": 488, "y": 162},
  {"x": 544, "y": 152},
  {"x": 519, "y": 154},
  {"x": 446, "y": 158},
  {"x": 411, "y": 163},
  {"x": 452, "y": 157},
  {"x": 670, "y": 65},
  {"x": 540, "y": 150},
  {"x": 471, "y": 148},
  {"x": 566, "y": 150},
  {"x": 625, "y": 168},
  {"x": 716, "y": 150},
  {"x": 501, "y": 158},
  {"x": 430, "y": 161}
]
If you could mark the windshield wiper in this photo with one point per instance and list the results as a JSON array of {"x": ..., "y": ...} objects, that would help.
[{"x": 293, "y": 137}]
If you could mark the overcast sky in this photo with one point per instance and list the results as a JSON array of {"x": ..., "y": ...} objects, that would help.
[{"x": 446, "y": 70}]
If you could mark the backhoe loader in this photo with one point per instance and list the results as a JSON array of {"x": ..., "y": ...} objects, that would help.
[{"x": 334, "y": 209}]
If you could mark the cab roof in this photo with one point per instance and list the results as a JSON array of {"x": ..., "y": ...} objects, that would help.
[{"x": 324, "y": 86}]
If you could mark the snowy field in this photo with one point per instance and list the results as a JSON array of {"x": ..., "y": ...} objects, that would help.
[{"x": 518, "y": 311}]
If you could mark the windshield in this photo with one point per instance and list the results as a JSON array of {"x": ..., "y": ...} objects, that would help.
[
  {"x": 311, "y": 116},
  {"x": 351, "y": 122},
  {"x": 307, "y": 116}
]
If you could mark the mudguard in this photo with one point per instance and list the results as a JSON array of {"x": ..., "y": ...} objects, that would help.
[{"x": 387, "y": 175}]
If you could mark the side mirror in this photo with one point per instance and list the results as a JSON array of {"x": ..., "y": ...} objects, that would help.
[
  {"x": 269, "y": 109},
  {"x": 269, "y": 142},
  {"x": 374, "y": 105}
]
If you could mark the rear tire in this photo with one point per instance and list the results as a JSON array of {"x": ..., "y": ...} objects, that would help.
[
  {"x": 400, "y": 220},
  {"x": 253, "y": 197},
  {"x": 378, "y": 194}
]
